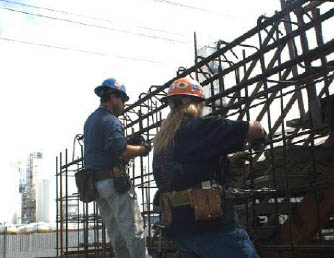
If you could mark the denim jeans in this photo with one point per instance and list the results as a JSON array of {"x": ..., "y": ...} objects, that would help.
[
  {"x": 229, "y": 244},
  {"x": 122, "y": 218}
]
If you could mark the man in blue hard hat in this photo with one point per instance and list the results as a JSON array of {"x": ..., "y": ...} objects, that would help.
[{"x": 105, "y": 152}]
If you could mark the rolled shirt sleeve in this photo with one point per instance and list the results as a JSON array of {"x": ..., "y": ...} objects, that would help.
[{"x": 115, "y": 142}]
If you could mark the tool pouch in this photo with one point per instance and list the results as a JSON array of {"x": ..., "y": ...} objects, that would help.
[
  {"x": 86, "y": 184},
  {"x": 166, "y": 210},
  {"x": 206, "y": 203},
  {"x": 121, "y": 179},
  {"x": 157, "y": 202}
]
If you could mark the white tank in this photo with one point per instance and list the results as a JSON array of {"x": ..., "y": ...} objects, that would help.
[
  {"x": 31, "y": 227},
  {"x": 43, "y": 227},
  {"x": 2, "y": 229},
  {"x": 43, "y": 200},
  {"x": 22, "y": 229}
]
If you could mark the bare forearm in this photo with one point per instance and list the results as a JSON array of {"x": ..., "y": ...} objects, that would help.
[{"x": 132, "y": 151}]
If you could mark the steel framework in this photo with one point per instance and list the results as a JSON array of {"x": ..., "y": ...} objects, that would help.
[{"x": 280, "y": 73}]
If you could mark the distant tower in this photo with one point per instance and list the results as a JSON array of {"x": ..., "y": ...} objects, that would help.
[
  {"x": 21, "y": 168},
  {"x": 28, "y": 183}
]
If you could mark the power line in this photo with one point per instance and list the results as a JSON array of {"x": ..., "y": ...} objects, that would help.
[
  {"x": 92, "y": 25},
  {"x": 49, "y": 9},
  {"x": 83, "y": 16},
  {"x": 78, "y": 50},
  {"x": 183, "y": 5},
  {"x": 178, "y": 4}
]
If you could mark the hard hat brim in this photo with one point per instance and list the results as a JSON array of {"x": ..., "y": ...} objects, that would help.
[
  {"x": 165, "y": 99},
  {"x": 98, "y": 91}
]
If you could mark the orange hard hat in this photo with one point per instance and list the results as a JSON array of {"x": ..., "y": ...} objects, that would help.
[{"x": 185, "y": 87}]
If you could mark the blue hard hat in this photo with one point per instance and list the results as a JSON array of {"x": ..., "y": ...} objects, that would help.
[{"x": 112, "y": 85}]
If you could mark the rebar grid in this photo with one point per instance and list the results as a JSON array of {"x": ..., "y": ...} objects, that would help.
[{"x": 280, "y": 73}]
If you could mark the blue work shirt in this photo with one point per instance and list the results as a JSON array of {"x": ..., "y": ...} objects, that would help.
[
  {"x": 104, "y": 140},
  {"x": 199, "y": 153}
]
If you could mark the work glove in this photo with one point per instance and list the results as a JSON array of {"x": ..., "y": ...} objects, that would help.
[
  {"x": 148, "y": 147},
  {"x": 135, "y": 140},
  {"x": 239, "y": 158},
  {"x": 259, "y": 144},
  {"x": 139, "y": 140}
]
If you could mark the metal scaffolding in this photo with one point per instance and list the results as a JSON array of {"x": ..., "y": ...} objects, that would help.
[{"x": 280, "y": 73}]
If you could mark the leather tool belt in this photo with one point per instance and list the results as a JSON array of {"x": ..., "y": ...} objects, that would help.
[
  {"x": 103, "y": 174},
  {"x": 166, "y": 210},
  {"x": 121, "y": 179},
  {"x": 206, "y": 203},
  {"x": 86, "y": 183}
]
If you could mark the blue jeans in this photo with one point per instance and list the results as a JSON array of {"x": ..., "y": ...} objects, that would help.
[
  {"x": 122, "y": 218},
  {"x": 229, "y": 244}
]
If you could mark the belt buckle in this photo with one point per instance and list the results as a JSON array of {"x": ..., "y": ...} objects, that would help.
[{"x": 206, "y": 184}]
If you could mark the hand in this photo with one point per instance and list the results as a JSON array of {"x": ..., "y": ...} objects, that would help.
[
  {"x": 240, "y": 157},
  {"x": 147, "y": 148},
  {"x": 135, "y": 140},
  {"x": 259, "y": 144},
  {"x": 265, "y": 135}
]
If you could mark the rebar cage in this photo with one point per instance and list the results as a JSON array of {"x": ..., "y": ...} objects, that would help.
[{"x": 279, "y": 73}]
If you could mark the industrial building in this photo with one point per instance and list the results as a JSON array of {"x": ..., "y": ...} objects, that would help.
[
  {"x": 35, "y": 191},
  {"x": 28, "y": 187}
]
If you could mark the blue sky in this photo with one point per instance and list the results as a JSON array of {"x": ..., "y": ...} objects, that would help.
[{"x": 47, "y": 91}]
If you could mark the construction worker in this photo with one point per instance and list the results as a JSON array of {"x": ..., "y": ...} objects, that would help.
[
  {"x": 187, "y": 165},
  {"x": 105, "y": 152}
]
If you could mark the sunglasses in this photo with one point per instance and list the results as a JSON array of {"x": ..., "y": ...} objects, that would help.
[{"x": 120, "y": 96}]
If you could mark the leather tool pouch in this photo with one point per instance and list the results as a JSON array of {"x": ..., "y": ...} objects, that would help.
[
  {"x": 166, "y": 210},
  {"x": 86, "y": 184},
  {"x": 121, "y": 179},
  {"x": 206, "y": 203}
]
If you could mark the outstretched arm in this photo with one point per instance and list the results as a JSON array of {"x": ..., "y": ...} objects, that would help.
[{"x": 133, "y": 151}]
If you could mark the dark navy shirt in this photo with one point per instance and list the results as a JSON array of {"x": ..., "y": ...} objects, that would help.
[
  {"x": 104, "y": 140},
  {"x": 198, "y": 153}
]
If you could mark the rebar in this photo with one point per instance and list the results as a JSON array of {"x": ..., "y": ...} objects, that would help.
[{"x": 279, "y": 73}]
